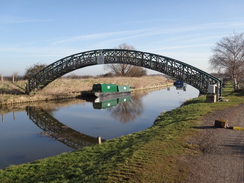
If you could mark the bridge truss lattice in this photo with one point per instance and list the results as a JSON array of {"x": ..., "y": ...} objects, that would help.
[{"x": 171, "y": 67}]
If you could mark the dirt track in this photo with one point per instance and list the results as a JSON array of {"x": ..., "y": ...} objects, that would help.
[{"x": 222, "y": 158}]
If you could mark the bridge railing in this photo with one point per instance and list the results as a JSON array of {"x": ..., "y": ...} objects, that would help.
[{"x": 174, "y": 68}]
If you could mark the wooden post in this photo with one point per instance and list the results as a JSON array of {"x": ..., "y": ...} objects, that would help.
[
  {"x": 13, "y": 78},
  {"x": 13, "y": 115},
  {"x": 2, "y": 78},
  {"x": 99, "y": 140}
]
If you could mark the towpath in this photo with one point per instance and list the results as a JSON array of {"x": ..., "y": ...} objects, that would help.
[{"x": 222, "y": 158}]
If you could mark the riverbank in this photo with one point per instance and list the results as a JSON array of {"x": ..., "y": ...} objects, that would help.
[
  {"x": 12, "y": 93},
  {"x": 152, "y": 155}
]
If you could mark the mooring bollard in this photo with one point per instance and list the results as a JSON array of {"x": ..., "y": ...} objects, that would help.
[
  {"x": 99, "y": 140},
  {"x": 211, "y": 98},
  {"x": 220, "y": 123}
]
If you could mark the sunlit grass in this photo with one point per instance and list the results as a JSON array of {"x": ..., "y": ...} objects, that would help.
[
  {"x": 67, "y": 88},
  {"x": 148, "y": 156}
]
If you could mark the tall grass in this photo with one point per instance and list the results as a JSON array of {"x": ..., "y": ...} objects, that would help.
[
  {"x": 66, "y": 88},
  {"x": 77, "y": 85}
]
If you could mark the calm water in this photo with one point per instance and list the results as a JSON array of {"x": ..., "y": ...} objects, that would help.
[{"x": 33, "y": 132}]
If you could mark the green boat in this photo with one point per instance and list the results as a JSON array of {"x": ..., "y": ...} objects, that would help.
[{"x": 107, "y": 91}]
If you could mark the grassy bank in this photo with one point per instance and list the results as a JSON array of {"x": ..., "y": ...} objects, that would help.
[
  {"x": 151, "y": 155},
  {"x": 11, "y": 93}
]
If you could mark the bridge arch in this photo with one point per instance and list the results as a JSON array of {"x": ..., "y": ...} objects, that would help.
[{"x": 174, "y": 68}]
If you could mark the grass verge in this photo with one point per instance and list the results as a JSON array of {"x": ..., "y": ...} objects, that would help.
[{"x": 147, "y": 156}]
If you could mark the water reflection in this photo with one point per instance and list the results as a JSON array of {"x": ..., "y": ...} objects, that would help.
[
  {"x": 129, "y": 111},
  {"x": 124, "y": 109},
  {"x": 55, "y": 129},
  {"x": 180, "y": 85},
  {"x": 103, "y": 104},
  {"x": 51, "y": 128}
]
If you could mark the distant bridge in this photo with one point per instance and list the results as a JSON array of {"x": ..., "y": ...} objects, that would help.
[{"x": 174, "y": 68}]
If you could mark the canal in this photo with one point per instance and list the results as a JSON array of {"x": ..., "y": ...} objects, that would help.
[{"x": 40, "y": 130}]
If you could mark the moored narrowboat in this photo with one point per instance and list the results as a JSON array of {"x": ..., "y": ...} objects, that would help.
[
  {"x": 180, "y": 85},
  {"x": 107, "y": 91}
]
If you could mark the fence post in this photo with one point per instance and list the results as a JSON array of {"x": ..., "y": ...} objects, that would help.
[{"x": 99, "y": 140}]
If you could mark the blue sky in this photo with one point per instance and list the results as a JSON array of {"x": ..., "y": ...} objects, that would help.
[{"x": 44, "y": 31}]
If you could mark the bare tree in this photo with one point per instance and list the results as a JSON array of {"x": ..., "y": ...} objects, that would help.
[
  {"x": 229, "y": 57},
  {"x": 126, "y": 69},
  {"x": 30, "y": 71}
]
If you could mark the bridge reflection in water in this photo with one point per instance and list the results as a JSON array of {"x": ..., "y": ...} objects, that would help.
[
  {"x": 55, "y": 129},
  {"x": 52, "y": 128},
  {"x": 124, "y": 109}
]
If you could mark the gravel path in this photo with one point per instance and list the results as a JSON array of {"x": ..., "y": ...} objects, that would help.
[{"x": 222, "y": 158}]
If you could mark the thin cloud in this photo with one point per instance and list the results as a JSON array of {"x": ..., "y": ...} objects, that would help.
[
  {"x": 96, "y": 36},
  {"x": 37, "y": 52},
  {"x": 132, "y": 34},
  {"x": 122, "y": 35},
  {"x": 222, "y": 25},
  {"x": 5, "y": 19},
  {"x": 181, "y": 47},
  {"x": 158, "y": 20}
]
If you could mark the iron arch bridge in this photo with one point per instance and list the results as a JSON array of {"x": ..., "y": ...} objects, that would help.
[{"x": 171, "y": 67}]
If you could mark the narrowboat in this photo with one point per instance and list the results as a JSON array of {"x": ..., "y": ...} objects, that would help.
[
  {"x": 180, "y": 85},
  {"x": 107, "y": 91}
]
